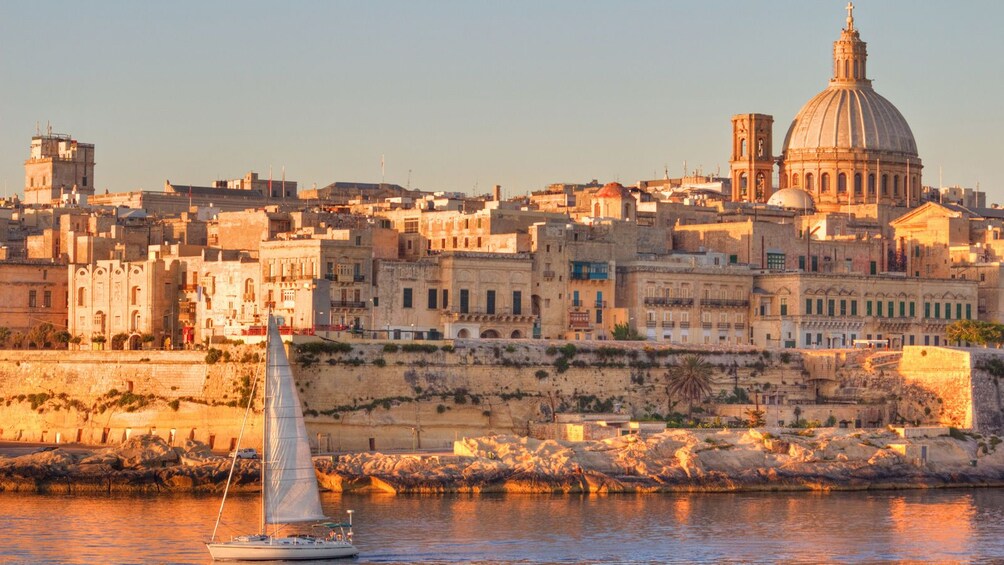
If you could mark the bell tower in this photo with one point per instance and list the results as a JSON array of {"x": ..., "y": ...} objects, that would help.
[{"x": 752, "y": 162}]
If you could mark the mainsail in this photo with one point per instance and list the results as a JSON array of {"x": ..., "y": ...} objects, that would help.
[{"x": 290, "y": 486}]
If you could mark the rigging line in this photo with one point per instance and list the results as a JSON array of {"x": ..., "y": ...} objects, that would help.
[{"x": 233, "y": 461}]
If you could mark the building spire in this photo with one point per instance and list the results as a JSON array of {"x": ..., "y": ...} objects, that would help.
[
  {"x": 850, "y": 16},
  {"x": 850, "y": 55}
]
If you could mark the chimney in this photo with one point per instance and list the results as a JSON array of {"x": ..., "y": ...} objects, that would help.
[{"x": 497, "y": 193}]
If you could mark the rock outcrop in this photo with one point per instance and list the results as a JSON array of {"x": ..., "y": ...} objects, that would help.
[
  {"x": 141, "y": 464},
  {"x": 682, "y": 460},
  {"x": 673, "y": 461}
]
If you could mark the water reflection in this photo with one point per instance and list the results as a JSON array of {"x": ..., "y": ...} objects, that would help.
[{"x": 933, "y": 526}]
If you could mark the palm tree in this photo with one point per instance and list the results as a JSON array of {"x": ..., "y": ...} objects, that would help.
[{"x": 689, "y": 380}]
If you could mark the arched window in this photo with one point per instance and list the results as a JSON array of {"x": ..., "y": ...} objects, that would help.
[
  {"x": 810, "y": 182},
  {"x": 596, "y": 210},
  {"x": 82, "y": 296},
  {"x": 824, "y": 182},
  {"x": 885, "y": 185},
  {"x": 627, "y": 210},
  {"x": 842, "y": 183},
  {"x": 761, "y": 186},
  {"x": 99, "y": 322},
  {"x": 846, "y": 69},
  {"x": 857, "y": 184},
  {"x": 134, "y": 295},
  {"x": 134, "y": 322},
  {"x": 743, "y": 184},
  {"x": 794, "y": 179},
  {"x": 871, "y": 184},
  {"x": 742, "y": 148},
  {"x": 895, "y": 185}
]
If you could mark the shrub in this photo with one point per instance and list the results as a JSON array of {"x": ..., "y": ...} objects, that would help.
[
  {"x": 447, "y": 348},
  {"x": 379, "y": 362},
  {"x": 390, "y": 348},
  {"x": 174, "y": 404},
  {"x": 441, "y": 408},
  {"x": 318, "y": 347},
  {"x": 552, "y": 350},
  {"x": 541, "y": 374},
  {"x": 561, "y": 364},
  {"x": 213, "y": 355},
  {"x": 568, "y": 350}
]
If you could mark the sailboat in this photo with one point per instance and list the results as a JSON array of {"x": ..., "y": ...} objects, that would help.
[{"x": 289, "y": 486}]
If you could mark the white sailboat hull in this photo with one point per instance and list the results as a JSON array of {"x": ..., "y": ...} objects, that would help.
[{"x": 273, "y": 549}]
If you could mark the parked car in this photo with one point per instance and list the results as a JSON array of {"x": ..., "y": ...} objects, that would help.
[{"x": 245, "y": 453}]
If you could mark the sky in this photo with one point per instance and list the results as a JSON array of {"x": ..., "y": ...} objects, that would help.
[{"x": 463, "y": 95}]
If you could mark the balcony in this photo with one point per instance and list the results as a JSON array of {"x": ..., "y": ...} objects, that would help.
[
  {"x": 348, "y": 304},
  {"x": 579, "y": 320},
  {"x": 589, "y": 271},
  {"x": 706, "y": 325},
  {"x": 723, "y": 325},
  {"x": 548, "y": 275},
  {"x": 684, "y": 325},
  {"x": 248, "y": 297},
  {"x": 664, "y": 301},
  {"x": 650, "y": 323},
  {"x": 600, "y": 304},
  {"x": 668, "y": 323},
  {"x": 359, "y": 278},
  {"x": 499, "y": 315},
  {"x": 724, "y": 303},
  {"x": 578, "y": 304}
]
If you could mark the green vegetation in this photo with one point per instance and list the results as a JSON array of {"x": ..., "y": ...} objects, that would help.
[
  {"x": 323, "y": 347},
  {"x": 541, "y": 374},
  {"x": 689, "y": 380},
  {"x": 390, "y": 348},
  {"x": 976, "y": 332},
  {"x": 213, "y": 356},
  {"x": 624, "y": 332}
]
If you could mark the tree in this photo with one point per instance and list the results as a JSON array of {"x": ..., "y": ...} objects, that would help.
[
  {"x": 976, "y": 332},
  {"x": 690, "y": 380},
  {"x": 624, "y": 332},
  {"x": 4, "y": 335}
]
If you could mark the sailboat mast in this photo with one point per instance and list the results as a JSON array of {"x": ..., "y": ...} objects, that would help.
[{"x": 264, "y": 419}]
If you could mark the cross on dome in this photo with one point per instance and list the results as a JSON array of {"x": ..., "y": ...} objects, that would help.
[{"x": 850, "y": 16}]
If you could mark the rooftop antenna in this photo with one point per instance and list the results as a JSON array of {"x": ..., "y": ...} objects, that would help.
[
  {"x": 38, "y": 129},
  {"x": 409, "y": 179},
  {"x": 666, "y": 169},
  {"x": 382, "y": 169},
  {"x": 684, "y": 168},
  {"x": 48, "y": 128}
]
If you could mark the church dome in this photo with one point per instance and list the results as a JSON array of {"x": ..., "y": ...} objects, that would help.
[
  {"x": 850, "y": 117},
  {"x": 613, "y": 190},
  {"x": 792, "y": 199}
]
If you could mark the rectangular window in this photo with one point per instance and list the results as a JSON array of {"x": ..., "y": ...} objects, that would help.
[
  {"x": 446, "y": 298},
  {"x": 891, "y": 311},
  {"x": 801, "y": 262},
  {"x": 868, "y": 308},
  {"x": 32, "y": 298},
  {"x": 406, "y": 300},
  {"x": 969, "y": 311},
  {"x": 843, "y": 307},
  {"x": 878, "y": 308},
  {"x": 490, "y": 302},
  {"x": 829, "y": 307},
  {"x": 958, "y": 311},
  {"x": 575, "y": 298},
  {"x": 948, "y": 311},
  {"x": 433, "y": 298},
  {"x": 517, "y": 303},
  {"x": 599, "y": 316},
  {"x": 784, "y": 306},
  {"x": 873, "y": 268},
  {"x": 465, "y": 301},
  {"x": 819, "y": 306},
  {"x": 808, "y": 339},
  {"x": 775, "y": 261},
  {"x": 808, "y": 306},
  {"x": 913, "y": 309},
  {"x": 854, "y": 307},
  {"x": 927, "y": 310},
  {"x": 937, "y": 310},
  {"x": 733, "y": 259},
  {"x": 47, "y": 299},
  {"x": 902, "y": 309},
  {"x": 815, "y": 263}
]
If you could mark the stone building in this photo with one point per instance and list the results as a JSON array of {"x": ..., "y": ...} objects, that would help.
[
  {"x": 456, "y": 295},
  {"x": 32, "y": 292},
  {"x": 687, "y": 299},
  {"x": 111, "y": 297},
  {"x": 815, "y": 310},
  {"x": 219, "y": 296},
  {"x": 58, "y": 165}
]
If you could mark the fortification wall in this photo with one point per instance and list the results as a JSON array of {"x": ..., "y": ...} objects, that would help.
[{"x": 946, "y": 373}]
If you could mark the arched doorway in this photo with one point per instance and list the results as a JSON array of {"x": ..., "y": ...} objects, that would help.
[
  {"x": 463, "y": 334},
  {"x": 516, "y": 334},
  {"x": 490, "y": 334},
  {"x": 135, "y": 342}
]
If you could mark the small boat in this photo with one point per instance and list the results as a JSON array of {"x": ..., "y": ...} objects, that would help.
[{"x": 289, "y": 486}]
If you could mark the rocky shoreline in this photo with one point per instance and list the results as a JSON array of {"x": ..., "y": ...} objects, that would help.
[{"x": 674, "y": 461}]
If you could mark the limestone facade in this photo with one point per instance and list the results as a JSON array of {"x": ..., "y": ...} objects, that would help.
[
  {"x": 58, "y": 165},
  {"x": 814, "y": 310},
  {"x": 33, "y": 293}
]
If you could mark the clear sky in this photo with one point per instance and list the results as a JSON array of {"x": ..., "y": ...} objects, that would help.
[{"x": 467, "y": 94}]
